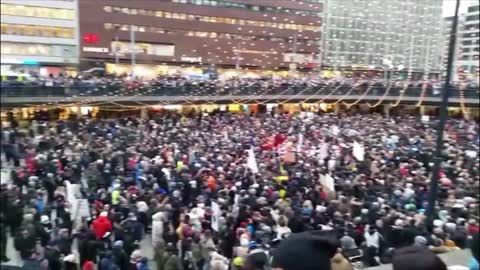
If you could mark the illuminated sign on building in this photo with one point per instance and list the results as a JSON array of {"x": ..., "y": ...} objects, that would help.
[
  {"x": 191, "y": 59},
  {"x": 91, "y": 38},
  {"x": 95, "y": 49}
]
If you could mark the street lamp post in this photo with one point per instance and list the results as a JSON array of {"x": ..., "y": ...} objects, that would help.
[
  {"x": 432, "y": 198},
  {"x": 132, "y": 48}
]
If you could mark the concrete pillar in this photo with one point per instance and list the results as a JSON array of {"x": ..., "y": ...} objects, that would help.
[
  {"x": 386, "y": 109},
  {"x": 79, "y": 112},
  {"x": 467, "y": 113},
  {"x": 422, "y": 110},
  {"x": 143, "y": 113},
  {"x": 336, "y": 108}
]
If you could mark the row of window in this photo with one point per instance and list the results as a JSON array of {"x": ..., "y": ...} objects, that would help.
[
  {"x": 215, "y": 35},
  {"x": 228, "y": 4},
  {"x": 41, "y": 12},
  {"x": 466, "y": 50},
  {"x": 470, "y": 42},
  {"x": 13, "y": 48},
  {"x": 201, "y": 18},
  {"x": 473, "y": 8},
  {"x": 37, "y": 31},
  {"x": 473, "y": 18},
  {"x": 471, "y": 35}
]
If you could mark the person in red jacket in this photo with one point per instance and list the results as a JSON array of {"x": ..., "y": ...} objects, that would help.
[{"x": 102, "y": 225}]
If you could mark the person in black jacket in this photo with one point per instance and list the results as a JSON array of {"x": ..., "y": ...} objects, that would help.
[
  {"x": 52, "y": 254},
  {"x": 3, "y": 240},
  {"x": 119, "y": 255},
  {"x": 25, "y": 243}
]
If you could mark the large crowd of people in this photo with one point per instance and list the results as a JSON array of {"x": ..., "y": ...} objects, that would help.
[{"x": 247, "y": 191}]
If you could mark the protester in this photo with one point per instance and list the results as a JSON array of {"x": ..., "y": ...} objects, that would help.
[
  {"x": 213, "y": 190},
  {"x": 417, "y": 258}
]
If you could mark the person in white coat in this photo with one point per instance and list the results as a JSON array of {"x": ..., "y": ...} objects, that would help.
[{"x": 158, "y": 220}]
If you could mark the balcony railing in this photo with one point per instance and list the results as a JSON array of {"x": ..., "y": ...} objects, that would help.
[{"x": 254, "y": 91}]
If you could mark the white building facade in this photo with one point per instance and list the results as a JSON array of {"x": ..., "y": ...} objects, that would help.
[
  {"x": 39, "y": 33},
  {"x": 383, "y": 35},
  {"x": 468, "y": 53}
]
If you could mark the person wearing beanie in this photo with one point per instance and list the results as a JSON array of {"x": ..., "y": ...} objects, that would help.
[
  {"x": 416, "y": 258},
  {"x": 88, "y": 265},
  {"x": 120, "y": 257},
  {"x": 257, "y": 259},
  {"x": 420, "y": 241},
  {"x": 311, "y": 250}
]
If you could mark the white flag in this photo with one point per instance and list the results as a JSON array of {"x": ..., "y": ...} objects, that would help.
[
  {"x": 327, "y": 182},
  {"x": 358, "y": 151},
  {"x": 300, "y": 142},
  {"x": 225, "y": 135},
  {"x": 216, "y": 213},
  {"x": 335, "y": 130},
  {"x": 323, "y": 151},
  {"x": 251, "y": 161}
]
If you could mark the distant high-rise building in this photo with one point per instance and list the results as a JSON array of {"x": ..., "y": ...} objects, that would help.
[
  {"x": 383, "y": 35},
  {"x": 468, "y": 54},
  {"x": 39, "y": 36}
]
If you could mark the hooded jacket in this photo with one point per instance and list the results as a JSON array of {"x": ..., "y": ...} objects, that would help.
[
  {"x": 101, "y": 225},
  {"x": 157, "y": 227}
]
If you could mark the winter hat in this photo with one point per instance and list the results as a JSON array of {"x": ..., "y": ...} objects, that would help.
[
  {"x": 118, "y": 243},
  {"x": 305, "y": 251},
  {"x": 257, "y": 258},
  {"x": 88, "y": 265},
  {"x": 238, "y": 261},
  {"x": 44, "y": 219},
  {"x": 416, "y": 258},
  {"x": 69, "y": 258},
  {"x": 420, "y": 241}
]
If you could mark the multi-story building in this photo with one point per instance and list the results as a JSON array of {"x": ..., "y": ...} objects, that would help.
[
  {"x": 382, "y": 35},
  {"x": 446, "y": 34},
  {"x": 468, "y": 55},
  {"x": 39, "y": 36},
  {"x": 171, "y": 34}
]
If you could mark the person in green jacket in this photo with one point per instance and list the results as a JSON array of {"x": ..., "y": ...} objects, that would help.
[
  {"x": 158, "y": 254},
  {"x": 172, "y": 262}
]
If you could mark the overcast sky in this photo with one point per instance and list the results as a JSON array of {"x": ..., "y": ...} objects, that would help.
[{"x": 449, "y": 6}]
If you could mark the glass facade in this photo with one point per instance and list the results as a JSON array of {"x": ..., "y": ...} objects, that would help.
[
  {"x": 14, "y": 48},
  {"x": 212, "y": 35},
  {"x": 38, "y": 31},
  {"x": 366, "y": 32},
  {"x": 250, "y": 7},
  {"x": 146, "y": 48},
  {"x": 211, "y": 19},
  {"x": 40, "y": 12}
]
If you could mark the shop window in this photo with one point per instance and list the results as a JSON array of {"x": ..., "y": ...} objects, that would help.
[
  {"x": 107, "y": 9},
  {"x": 159, "y": 13}
]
